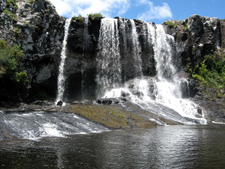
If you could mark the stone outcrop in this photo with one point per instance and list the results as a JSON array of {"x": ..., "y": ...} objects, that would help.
[{"x": 196, "y": 36}]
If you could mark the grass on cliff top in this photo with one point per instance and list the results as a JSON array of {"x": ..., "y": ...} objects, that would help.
[
  {"x": 78, "y": 18},
  {"x": 95, "y": 15},
  {"x": 171, "y": 24},
  {"x": 110, "y": 116}
]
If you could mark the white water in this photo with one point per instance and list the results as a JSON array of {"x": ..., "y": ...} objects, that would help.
[
  {"x": 61, "y": 77},
  {"x": 164, "y": 89},
  {"x": 86, "y": 44},
  {"x": 86, "y": 35},
  {"x": 108, "y": 58},
  {"x": 168, "y": 84},
  {"x": 36, "y": 125},
  {"x": 136, "y": 50}
]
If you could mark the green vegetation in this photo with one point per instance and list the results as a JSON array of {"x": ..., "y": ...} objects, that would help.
[
  {"x": 211, "y": 72},
  {"x": 31, "y": 1},
  {"x": 13, "y": 2},
  {"x": 175, "y": 24},
  {"x": 16, "y": 31},
  {"x": 47, "y": 10},
  {"x": 13, "y": 16},
  {"x": 78, "y": 18},
  {"x": 171, "y": 24},
  {"x": 186, "y": 27},
  {"x": 95, "y": 15},
  {"x": 10, "y": 57}
]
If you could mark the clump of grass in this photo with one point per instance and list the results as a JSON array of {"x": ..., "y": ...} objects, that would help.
[
  {"x": 95, "y": 15},
  {"x": 78, "y": 18},
  {"x": 171, "y": 24}
]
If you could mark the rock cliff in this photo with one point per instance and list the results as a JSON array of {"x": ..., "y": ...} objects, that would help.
[{"x": 39, "y": 30}]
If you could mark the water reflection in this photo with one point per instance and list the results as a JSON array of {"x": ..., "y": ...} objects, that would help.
[{"x": 161, "y": 147}]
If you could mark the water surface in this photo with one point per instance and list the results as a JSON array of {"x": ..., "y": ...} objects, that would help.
[{"x": 161, "y": 147}]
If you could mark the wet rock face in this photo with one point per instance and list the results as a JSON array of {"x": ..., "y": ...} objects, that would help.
[
  {"x": 80, "y": 69},
  {"x": 2, "y": 5}
]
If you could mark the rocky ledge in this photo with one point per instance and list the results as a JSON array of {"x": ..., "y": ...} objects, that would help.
[{"x": 113, "y": 116}]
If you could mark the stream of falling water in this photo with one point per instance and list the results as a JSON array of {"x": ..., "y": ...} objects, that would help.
[
  {"x": 108, "y": 58},
  {"x": 136, "y": 50},
  {"x": 61, "y": 77}
]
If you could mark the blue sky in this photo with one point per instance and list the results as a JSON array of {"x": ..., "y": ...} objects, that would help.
[{"x": 156, "y": 11}]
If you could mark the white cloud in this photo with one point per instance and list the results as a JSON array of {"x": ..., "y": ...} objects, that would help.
[
  {"x": 108, "y": 8},
  {"x": 155, "y": 12}
]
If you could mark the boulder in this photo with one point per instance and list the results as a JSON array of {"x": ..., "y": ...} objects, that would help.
[{"x": 108, "y": 101}]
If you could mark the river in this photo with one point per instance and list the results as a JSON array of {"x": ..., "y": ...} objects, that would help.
[{"x": 180, "y": 146}]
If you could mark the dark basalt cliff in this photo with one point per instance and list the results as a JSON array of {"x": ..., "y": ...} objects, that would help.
[{"x": 39, "y": 30}]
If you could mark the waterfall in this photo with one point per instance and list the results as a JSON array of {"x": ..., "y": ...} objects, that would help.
[
  {"x": 108, "y": 57},
  {"x": 161, "y": 94},
  {"x": 61, "y": 77},
  {"x": 168, "y": 86}
]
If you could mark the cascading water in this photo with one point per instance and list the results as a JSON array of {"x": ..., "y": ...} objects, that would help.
[
  {"x": 35, "y": 125},
  {"x": 162, "y": 94},
  {"x": 168, "y": 84},
  {"x": 108, "y": 58},
  {"x": 61, "y": 77}
]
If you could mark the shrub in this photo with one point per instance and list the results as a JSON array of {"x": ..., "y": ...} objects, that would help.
[
  {"x": 211, "y": 72},
  {"x": 10, "y": 57},
  {"x": 186, "y": 27},
  {"x": 21, "y": 77}
]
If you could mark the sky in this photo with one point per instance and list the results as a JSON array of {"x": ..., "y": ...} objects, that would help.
[{"x": 156, "y": 11}]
